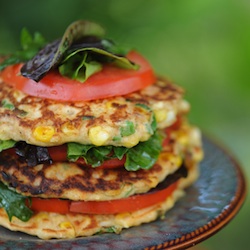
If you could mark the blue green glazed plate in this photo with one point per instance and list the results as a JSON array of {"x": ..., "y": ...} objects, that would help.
[{"x": 207, "y": 207}]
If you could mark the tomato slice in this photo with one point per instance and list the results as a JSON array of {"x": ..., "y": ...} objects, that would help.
[
  {"x": 124, "y": 205},
  {"x": 49, "y": 205},
  {"x": 110, "y": 81},
  {"x": 58, "y": 153}
]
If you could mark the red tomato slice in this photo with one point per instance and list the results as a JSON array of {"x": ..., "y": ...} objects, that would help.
[
  {"x": 58, "y": 153},
  {"x": 128, "y": 204},
  {"x": 111, "y": 81},
  {"x": 113, "y": 163},
  {"x": 49, "y": 205}
]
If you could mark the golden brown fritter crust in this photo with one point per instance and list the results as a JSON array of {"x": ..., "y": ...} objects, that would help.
[{"x": 48, "y": 123}]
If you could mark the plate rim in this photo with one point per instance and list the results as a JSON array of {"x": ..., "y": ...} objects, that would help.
[{"x": 204, "y": 232}]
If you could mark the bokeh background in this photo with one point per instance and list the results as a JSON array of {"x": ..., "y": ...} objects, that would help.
[{"x": 203, "y": 46}]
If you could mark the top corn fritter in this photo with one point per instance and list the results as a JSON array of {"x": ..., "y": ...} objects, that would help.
[{"x": 118, "y": 121}]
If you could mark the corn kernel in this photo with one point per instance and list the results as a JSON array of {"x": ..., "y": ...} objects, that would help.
[
  {"x": 65, "y": 225},
  {"x": 160, "y": 115},
  {"x": 98, "y": 136},
  {"x": 43, "y": 133}
]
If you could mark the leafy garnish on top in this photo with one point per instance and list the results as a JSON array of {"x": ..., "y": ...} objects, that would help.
[{"x": 80, "y": 53}]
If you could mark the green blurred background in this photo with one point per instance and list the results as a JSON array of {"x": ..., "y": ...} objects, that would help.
[{"x": 203, "y": 46}]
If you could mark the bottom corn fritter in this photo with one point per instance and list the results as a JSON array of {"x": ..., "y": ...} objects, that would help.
[{"x": 91, "y": 141}]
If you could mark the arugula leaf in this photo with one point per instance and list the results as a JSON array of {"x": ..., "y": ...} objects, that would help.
[
  {"x": 29, "y": 47},
  {"x": 14, "y": 204},
  {"x": 7, "y": 144}
]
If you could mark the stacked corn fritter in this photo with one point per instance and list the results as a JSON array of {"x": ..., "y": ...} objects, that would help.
[{"x": 146, "y": 130}]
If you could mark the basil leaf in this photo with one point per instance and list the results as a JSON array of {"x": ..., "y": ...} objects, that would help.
[
  {"x": 29, "y": 47},
  {"x": 145, "y": 154},
  {"x": 52, "y": 53},
  {"x": 6, "y": 144},
  {"x": 14, "y": 204}
]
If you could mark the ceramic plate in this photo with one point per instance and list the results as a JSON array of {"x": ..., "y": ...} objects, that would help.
[{"x": 208, "y": 205}]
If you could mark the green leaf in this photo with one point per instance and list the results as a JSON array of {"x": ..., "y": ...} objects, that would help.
[
  {"x": 29, "y": 47},
  {"x": 7, "y": 144},
  {"x": 52, "y": 53},
  {"x": 84, "y": 69},
  {"x": 142, "y": 156},
  {"x": 153, "y": 123},
  {"x": 120, "y": 152},
  {"x": 14, "y": 204},
  {"x": 113, "y": 48},
  {"x": 84, "y": 62},
  {"x": 127, "y": 129},
  {"x": 92, "y": 155},
  {"x": 76, "y": 150},
  {"x": 143, "y": 106},
  {"x": 6, "y": 104},
  {"x": 145, "y": 154},
  {"x": 31, "y": 43}
]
